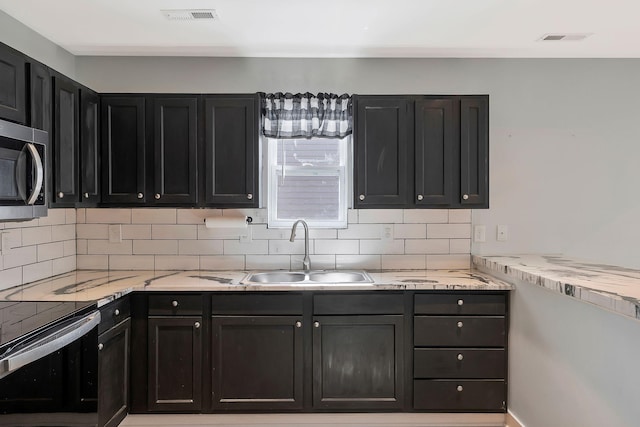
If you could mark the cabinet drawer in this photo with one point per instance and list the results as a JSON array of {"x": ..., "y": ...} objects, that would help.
[
  {"x": 114, "y": 313},
  {"x": 250, "y": 304},
  {"x": 459, "y": 331},
  {"x": 458, "y": 363},
  {"x": 378, "y": 303},
  {"x": 460, "y": 303},
  {"x": 175, "y": 305},
  {"x": 459, "y": 396}
]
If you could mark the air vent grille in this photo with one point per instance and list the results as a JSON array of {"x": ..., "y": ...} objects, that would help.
[
  {"x": 564, "y": 37},
  {"x": 190, "y": 14}
]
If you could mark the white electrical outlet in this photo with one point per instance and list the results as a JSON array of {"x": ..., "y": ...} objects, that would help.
[
  {"x": 502, "y": 233},
  {"x": 387, "y": 232},
  {"x": 115, "y": 233},
  {"x": 480, "y": 233}
]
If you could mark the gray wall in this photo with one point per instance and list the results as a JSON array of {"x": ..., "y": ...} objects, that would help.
[
  {"x": 564, "y": 135},
  {"x": 27, "y": 41}
]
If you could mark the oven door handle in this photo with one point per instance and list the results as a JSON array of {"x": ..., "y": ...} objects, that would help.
[
  {"x": 35, "y": 156},
  {"x": 51, "y": 341}
]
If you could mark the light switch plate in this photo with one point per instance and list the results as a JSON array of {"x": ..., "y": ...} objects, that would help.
[
  {"x": 387, "y": 232},
  {"x": 502, "y": 233},
  {"x": 480, "y": 233}
]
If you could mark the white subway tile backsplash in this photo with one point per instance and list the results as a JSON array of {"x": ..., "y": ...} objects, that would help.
[
  {"x": 165, "y": 262},
  {"x": 382, "y": 247},
  {"x": 222, "y": 262},
  {"x": 104, "y": 247},
  {"x": 460, "y": 246},
  {"x": 318, "y": 262},
  {"x": 81, "y": 215},
  {"x": 235, "y": 247},
  {"x": 426, "y": 216},
  {"x": 50, "y": 251},
  {"x": 13, "y": 238},
  {"x": 219, "y": 233},
  {"x": 20, "y": 256},
  {"x": 200, "y": 247},
  {"x": 410, "y": 231},
  {"x": 132, "y": 262},
  {"x": 316, "y": 233},
  {"x": 261, "y": 232},
  {"x": 196, "y": 216},
  {"x": 267, "y": 262},
  {"x": 64, "y": 265},
  {"x": 459, "y": 215},
  {"x": 155, "y": 247},
  {"x": 92, "y": 231},
  {"x": 37, "y": 271},
  {"x": 69, "y": 248},
  {"x": 107, "y": 216},
  {"x": 174, "y": 232},
  {"x": 22, "y": 224},
  {"x": 92, "y": 262},
  {"x": 365, "y": 262},
  {"x": 63, "y": 232},
  {"x": 54, "y": 217},
  {"x": 134, "y": 232},
  {"x": 335, "y": 247},
  {"x": 404, "y": 262},
  {"x": 285, "y": 247},
  {"x": 427, "y": 246},
  {"x": 361, "y": 231},
  {"x": 81, "y": 247},
  {"x": 444, "y": 262},
  {"x": 380, "y": 216},
  {"x": 36, "y": 235},
  {"x": 71, "y": 216},
  {"x": 153, "y": 216},
  {"x": 448, "y": 231},
  {"x": 352, "y": 216},
  {"x": 10, "y": 277}
]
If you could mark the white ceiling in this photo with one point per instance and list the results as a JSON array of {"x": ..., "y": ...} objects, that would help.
[{"x": 338, "y": 28}]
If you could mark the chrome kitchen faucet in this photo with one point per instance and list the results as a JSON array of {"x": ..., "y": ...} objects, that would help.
[{"x": 306, "y": 262}]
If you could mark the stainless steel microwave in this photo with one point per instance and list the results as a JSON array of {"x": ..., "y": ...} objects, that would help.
[{"x": 23, "y": 175}]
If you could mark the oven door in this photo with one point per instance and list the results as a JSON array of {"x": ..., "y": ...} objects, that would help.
[{"x": 43, "y": 377}]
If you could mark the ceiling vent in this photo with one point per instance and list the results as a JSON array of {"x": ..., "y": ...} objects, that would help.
[
  {"x": 191, "y": 15},
  {"x": 564, "y": 37}
]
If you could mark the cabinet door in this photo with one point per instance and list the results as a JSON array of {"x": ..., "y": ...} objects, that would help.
[
  {"x": 123, "y": 151},
  {"x": 89, "y": 147},
  {"x": 231, "y": 151},
  {"x": 257, "y": 362},
  {"x": 113, "y": 374},
  {"x": 40, "y": 83},
  {"x": 435, "y": 144},
  {"x": 175, "y": 148},
  {"x": 65, "y": 142},
  {"x": 382, "y": 152},
  {"x": 12, "y": 85},
  {"x": 175, "y": 364},
  {"x": 358, "y": 362},
  {"x": 474, "y": 151}
]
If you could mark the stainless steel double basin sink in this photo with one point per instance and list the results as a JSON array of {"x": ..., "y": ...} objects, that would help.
[{"x": 301, "y": 278}]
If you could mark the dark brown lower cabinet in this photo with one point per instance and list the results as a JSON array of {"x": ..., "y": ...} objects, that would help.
[
  {"x": 113, "y": 374},
  {"x": 175, "y": 364},
  {"x": 358, "y": 362},
  {"x": 257, "y": 362},
  {"x": 459, "y": 395}
]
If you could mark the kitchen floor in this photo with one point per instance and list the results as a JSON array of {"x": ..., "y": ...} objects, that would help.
[{"x": 315, "y": 420}]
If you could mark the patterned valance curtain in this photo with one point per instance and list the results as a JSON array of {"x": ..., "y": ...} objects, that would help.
[{"x": 304, "y": 115}]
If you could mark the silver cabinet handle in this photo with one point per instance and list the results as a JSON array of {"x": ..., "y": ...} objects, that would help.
[
  {"x": 361, "y": 197},
  {"x": 157, "y": 196},
  {"x": 249, "y": 196},
  {"x": 100, "y": 347},
  {"x": 460, "y": 302},
  {"x": 60, "y": 195},
  {"x": 460, "y": 356},
  {"x": 465, "y": 196},
  {"x": 459, "y": 324},
  {"x": 298, "y": 324},
  {"x": 316, "y": 324},
  {"x": 140, "y": 195},
  {"x": 86, "y": 195},
  {"x": 420, "y": 197},
  {"x": 116, "y": 312},
  {"x": 459, "y": 388},
  {"x": 196, "y": 325},
  {"x": 174, "y": 303}
]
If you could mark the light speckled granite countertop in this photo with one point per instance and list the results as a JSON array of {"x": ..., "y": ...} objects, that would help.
[
  {"x": 607, "y": 286},
  {"x": 104, "y": 286}
]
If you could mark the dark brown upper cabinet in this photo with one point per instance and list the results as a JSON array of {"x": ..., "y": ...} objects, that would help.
[
  {"x": 123, "y": 149},
  {"x": 382, "y": 152},
  {"x": 12, "y": 85},
  {"x": 40, "y": 97},
  {"x": 231, "y": 151},
  {"x": 421, "y": 151},
  {"x": 175, "y": 146},
  {"x": 89, "y": 147},
  {"x": 65, "y": 191}
]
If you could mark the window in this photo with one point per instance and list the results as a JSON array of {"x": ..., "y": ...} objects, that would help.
[{"x": 308, "y": 179}]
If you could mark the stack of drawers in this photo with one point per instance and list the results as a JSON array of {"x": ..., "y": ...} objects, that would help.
[{"x": 459, "y": 352}]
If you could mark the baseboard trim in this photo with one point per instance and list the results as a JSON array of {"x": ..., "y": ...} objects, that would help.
[{"x": 512, "y": 421}]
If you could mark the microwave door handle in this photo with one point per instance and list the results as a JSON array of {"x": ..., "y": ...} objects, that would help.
[
  {"x": 50, "y": 343},
  {"x": 35, "y": 156}
]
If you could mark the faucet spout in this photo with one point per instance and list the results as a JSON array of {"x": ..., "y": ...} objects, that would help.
[{"x": 306, "y": 262}]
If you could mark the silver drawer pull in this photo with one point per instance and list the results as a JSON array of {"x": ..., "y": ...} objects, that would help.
[
  {"x": 100, "y": 347},
  {"x": 86, "y": 195},
  {"x": 249, "y": 196},
  {"x": 459, "y": 388},
  {"x": 140, "y": 195},
  {"x": 316, "y": 324},
  {"x": 298, "y": 324},
  {"x": 361, "y": 197},
  {"x": 174, "y": 303},
  {"x": 460, "y": 356},
  {"x": 196, "y": 325},
  {"x": 460, "y": 302},
  {"x": 116, "y": 312},
  {"x": 61, "y": 195},
  {"x": 460, "y": 325}
]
